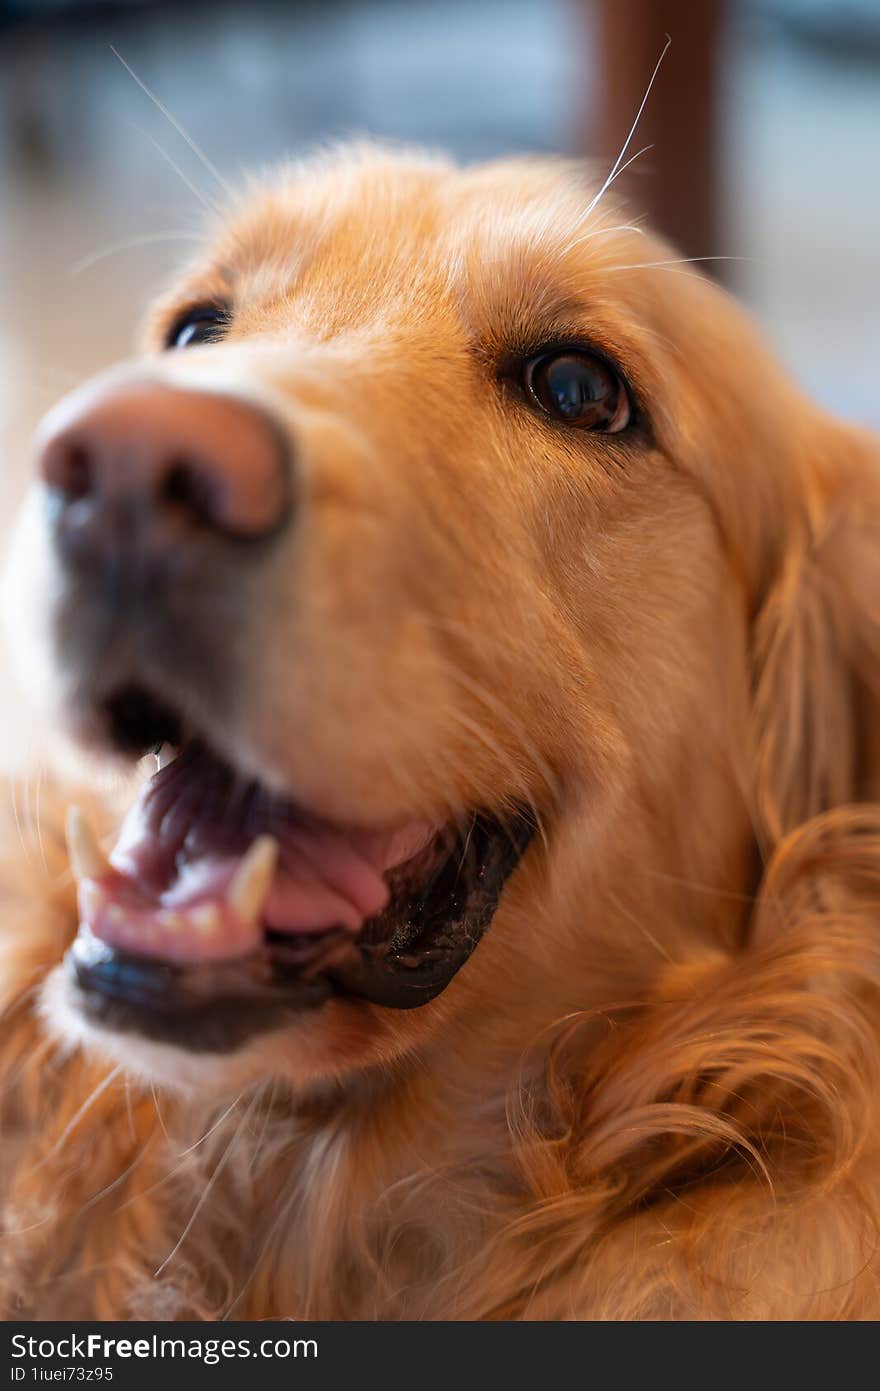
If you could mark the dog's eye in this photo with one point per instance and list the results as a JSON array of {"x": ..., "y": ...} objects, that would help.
[
  {"x": 579, "y": 388},
  {"x": 203, "y": 323}
]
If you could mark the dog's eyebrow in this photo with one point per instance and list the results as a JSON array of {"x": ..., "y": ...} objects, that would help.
[
  {"x": 528, "y": 289},
  {"x": 523, "y": 323},
  {"x": 219, "y": 280},
  {"x": 538, "y": 314},
  {"x": 210, "y": 282},
  {"x": 227, "y": 274}
]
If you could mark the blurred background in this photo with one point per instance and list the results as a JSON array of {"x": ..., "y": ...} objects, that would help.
[{"x": 763, "y": 125}]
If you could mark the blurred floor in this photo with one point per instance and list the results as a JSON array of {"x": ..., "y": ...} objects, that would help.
[{"x": 82, "y": 168}]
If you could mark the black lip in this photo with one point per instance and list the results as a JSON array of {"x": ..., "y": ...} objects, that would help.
[
  {"x": 210, "y": 1009},
  {"x": 401, "y": 959}
]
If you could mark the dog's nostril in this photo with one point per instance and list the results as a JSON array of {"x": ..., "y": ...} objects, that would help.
[
  {"x": 69, "y": 469},
  {"x": 187, "y": 486}
]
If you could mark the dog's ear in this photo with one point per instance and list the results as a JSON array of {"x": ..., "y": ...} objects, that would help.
[{"x": 816, "y": 642}]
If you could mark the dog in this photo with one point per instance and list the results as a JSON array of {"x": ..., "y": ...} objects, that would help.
[{"x": 499, "y": 936}]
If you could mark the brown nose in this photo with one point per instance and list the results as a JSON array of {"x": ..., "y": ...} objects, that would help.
[{"x": 140, "y": 463}]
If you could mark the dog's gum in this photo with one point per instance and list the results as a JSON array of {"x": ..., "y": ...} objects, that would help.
[{"x": 115, "y": 912}]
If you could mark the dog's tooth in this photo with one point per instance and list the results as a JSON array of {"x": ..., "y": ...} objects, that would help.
[
  {"x": 207, "y": 920},
  {"x": 252, "y": 880},
  {"x": 165, "y": 754},
  {"x": 91, "y": 899},
  {"x": 87, "y": 859}
]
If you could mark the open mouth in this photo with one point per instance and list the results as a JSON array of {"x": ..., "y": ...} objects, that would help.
[{"x": 224, "y": 907}]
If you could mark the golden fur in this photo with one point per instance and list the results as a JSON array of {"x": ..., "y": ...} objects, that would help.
[{"x": 653, "y": 1091}]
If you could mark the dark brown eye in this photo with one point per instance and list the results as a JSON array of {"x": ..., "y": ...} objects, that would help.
[
  {"x": 580, "y": 389},
  {"x": 203, "y": 323}
]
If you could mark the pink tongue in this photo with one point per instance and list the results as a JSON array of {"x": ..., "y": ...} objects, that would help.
[{"x": 174, "y": 865}]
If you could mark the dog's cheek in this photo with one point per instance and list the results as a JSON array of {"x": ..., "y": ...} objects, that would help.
[{"x": 30, "y": 590}]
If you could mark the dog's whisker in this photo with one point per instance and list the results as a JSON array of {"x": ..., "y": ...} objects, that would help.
[
  {"x": 673, "y": 263},
  {"x": 640, "y": 926},
  {"x": 208, "y": 1189},
  {"x": 36, "y": 1055},
  {"x": 120, "y": 1178},
  {"x": 93, "y": 1097},
  {"x": 268, "y": 1106},
  {"x": 646, "y": 149},
  {"x": 172, "y": 120},
  {"x": 157, "y": 1108},
  {"x": 710, "y": 889},
  {"x": 13, "y": 782},
  {"x": 132, "y": 243},
  {"x": 37, "y": 816},
  {"x": 207, "y": 202},
  {"x": 603, "y": 232},
  {"x": 128, "y": 1109},
  {"x": 211, "y": 1129},
  {"x": 27, "y": 819},
  {"x": 179, "y": 1165},
  {"x": 618, "y": 167},
  {"x": 278, "y": 1224}
]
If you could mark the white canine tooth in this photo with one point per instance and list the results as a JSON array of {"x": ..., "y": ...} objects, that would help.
[
  {"x": 252, "y": 880},
  {"x": 87, "y": 859},
  {"x": 206, "y": 920},
  {"x": 165, "y": 754},
  {"x": 91, "y": 898}
]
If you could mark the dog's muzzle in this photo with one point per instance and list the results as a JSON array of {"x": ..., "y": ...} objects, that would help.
[{"x": 225, "y": 906}]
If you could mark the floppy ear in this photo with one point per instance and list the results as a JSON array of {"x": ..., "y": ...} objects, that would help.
[{"x": 816, "y": 643}]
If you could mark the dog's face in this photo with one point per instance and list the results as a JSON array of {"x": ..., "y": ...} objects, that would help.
[{"x": 427, "y": 534}]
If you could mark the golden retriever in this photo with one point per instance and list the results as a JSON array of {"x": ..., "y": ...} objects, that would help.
[{"x": 503, "y": 940}]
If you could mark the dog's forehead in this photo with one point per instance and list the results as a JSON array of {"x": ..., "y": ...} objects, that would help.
[{"x": 373, "y": 230}]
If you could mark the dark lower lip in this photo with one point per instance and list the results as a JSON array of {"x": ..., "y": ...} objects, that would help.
[
  {"x": 401, "y": 959},
  {"x": 209, "y": 1009}
]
